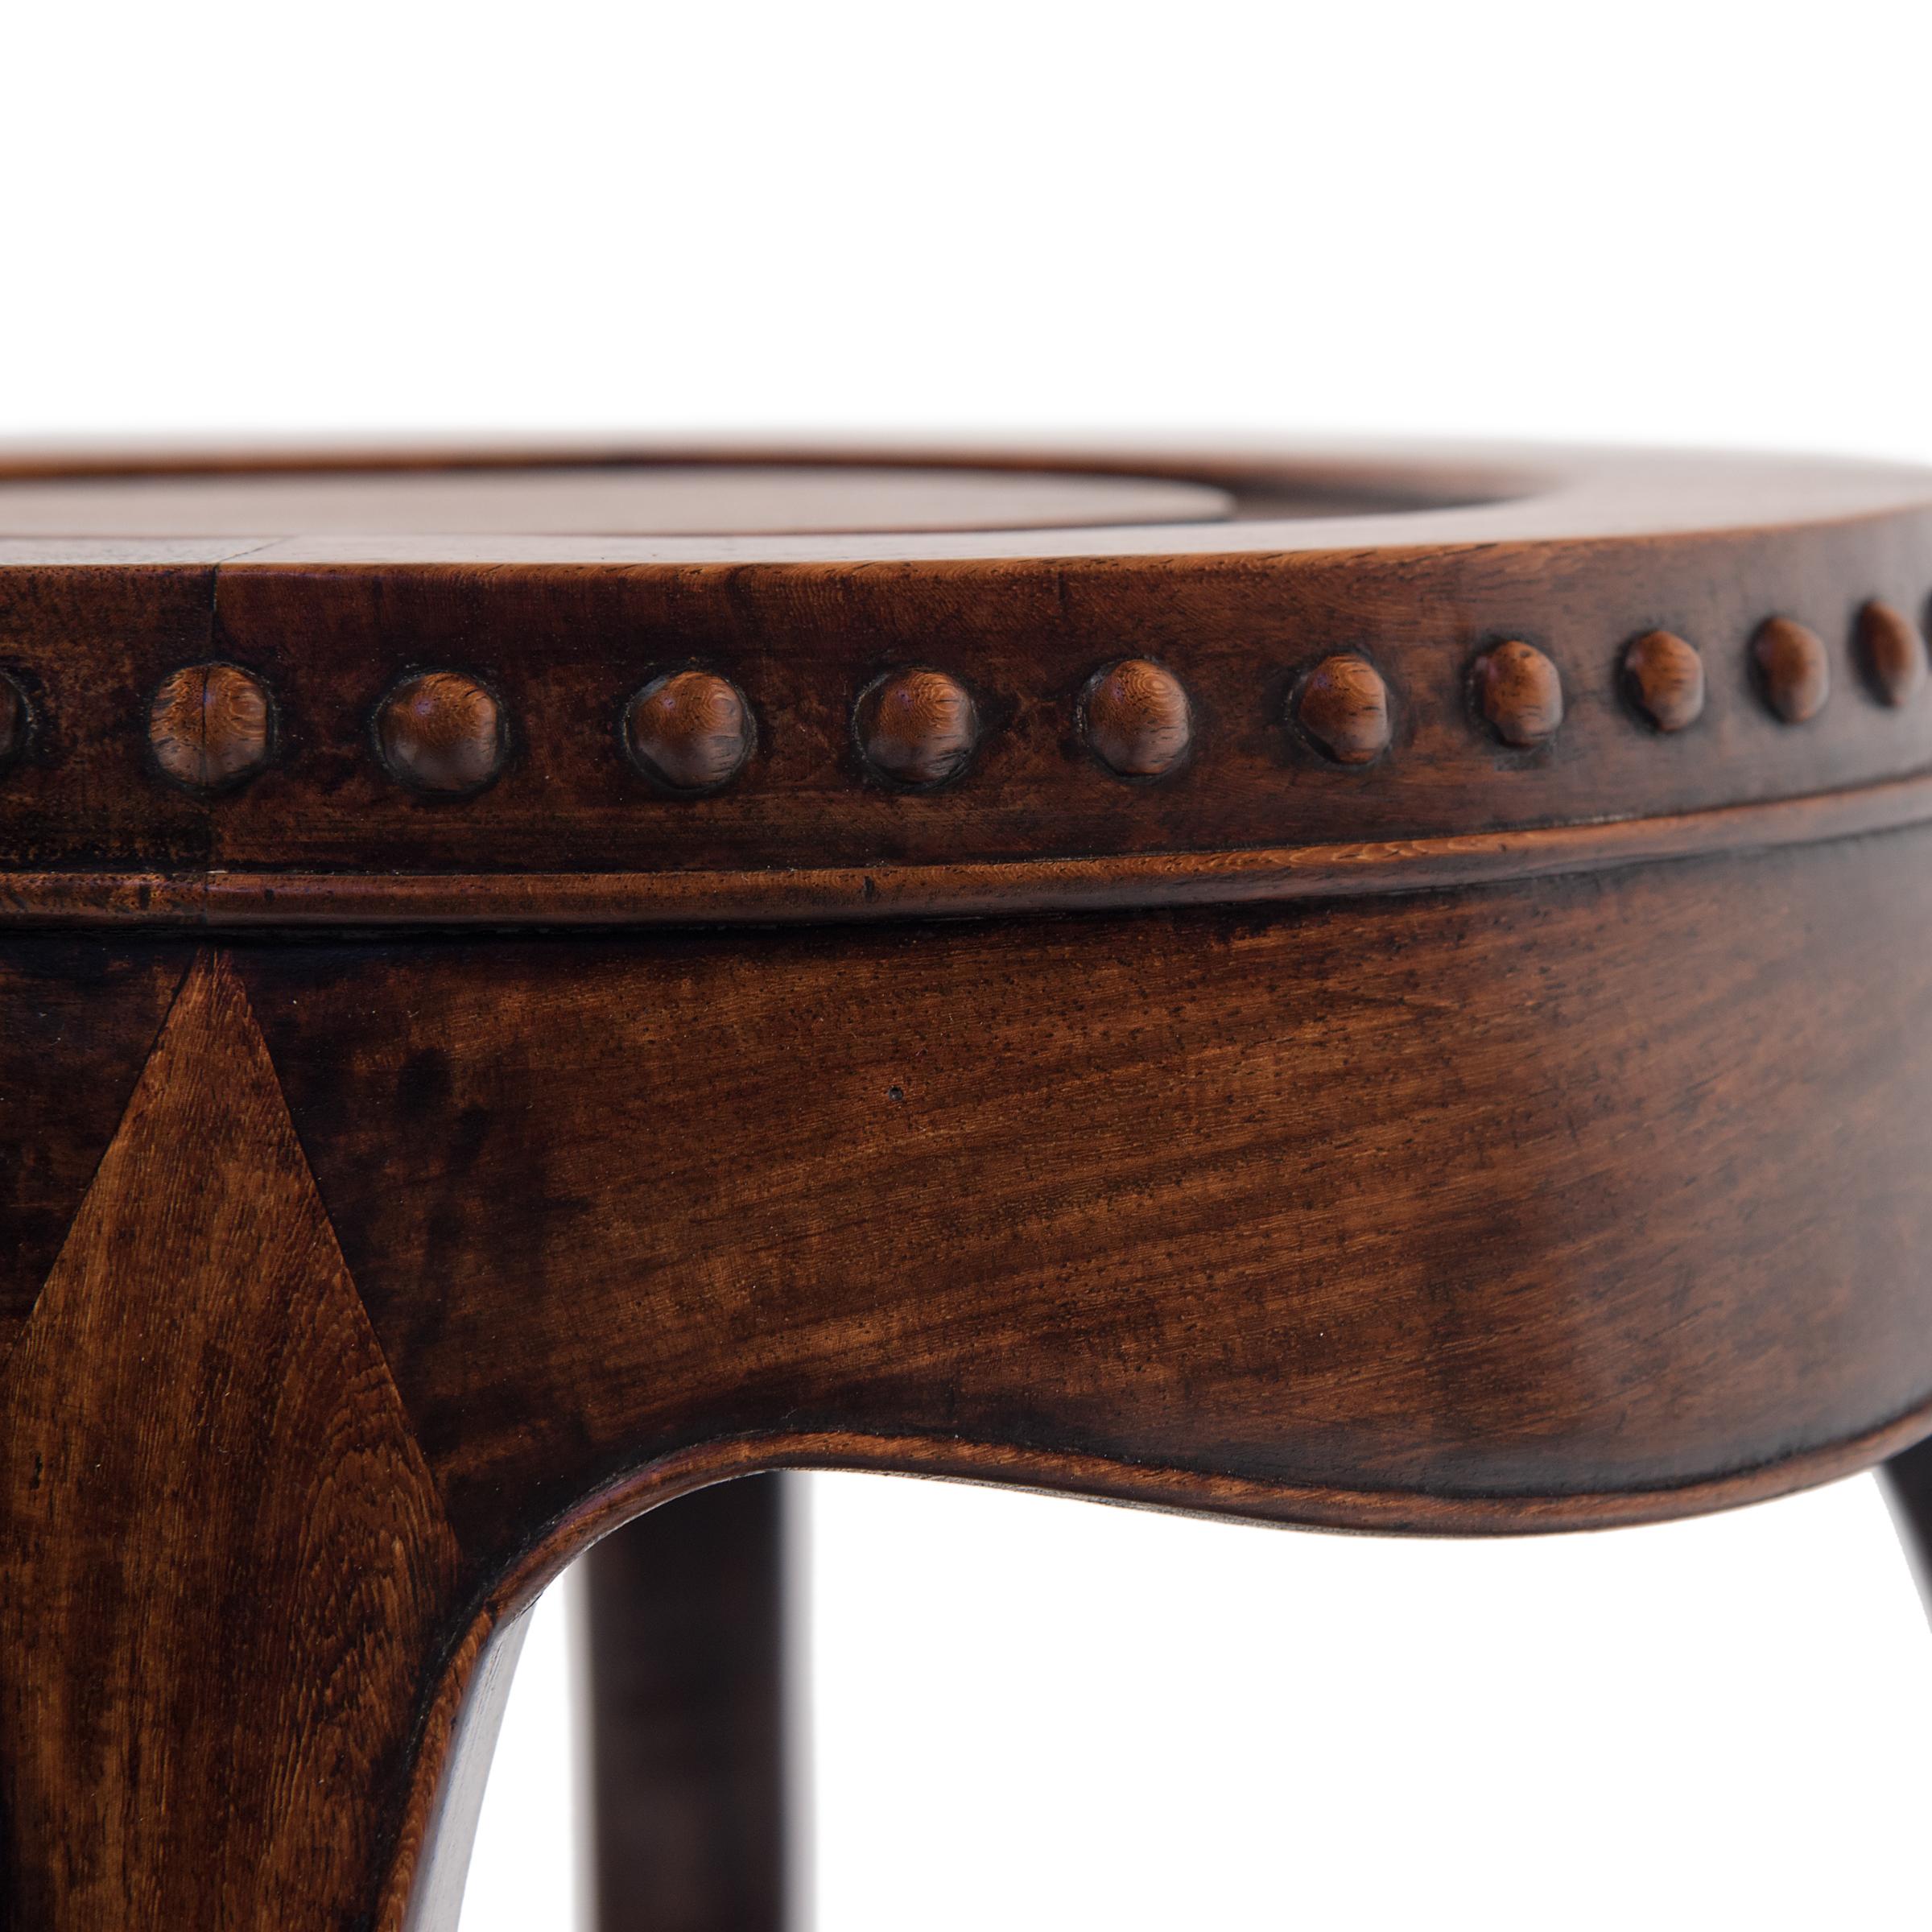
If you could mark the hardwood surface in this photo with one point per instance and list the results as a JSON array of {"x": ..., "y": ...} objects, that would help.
[
  {"x": 1664, "y": 675},
  {"x": 629, "y": 1214},
  {"x": 1907, "y": 1479},
  {"x": 80, "y": 1019},
  {"x": 685, "y": 1708},
  {"x": 442, "y": 734},
  {"x": 1556, "y": 574},
  {"x": 1343, "y": 706},
  {"x": 917, "y": 728},
  {"x": 690, "y": 731},
  {"x": 210, "y": 726},
  {"x": 228, "y": 1569},
  {"x": 1137, "y": 719},
  {"x": 1794, "y": 668},
  {"x": 637, "y": 499},
  {"x": 1485, "y": 1091},
  {"x": 1892, "y": 653},
  {"x": 1176, "y": 1157},
  {"x": 1520, "y": 693},
  {"x": 16, "y": 721}
]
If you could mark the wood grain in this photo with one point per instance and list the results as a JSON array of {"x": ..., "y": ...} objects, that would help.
[
  {"x": 1520, "y": 693},
  {"x": 1605, "y": 548},
  {"x": 684, "y": 1620},
  {"x": 689, "y": 731},
  {"x": 917, "y": 727},
  {"x": 1892, "y": 653},
  {"x": 285, "y": 901},
  {"x": 78, "y": 1018},
  {"x": 210, "y": 726},
  {"x": 1342, "y": 705},
  {"x": 1793, "y": 669},
  {"x": 16, "y": 720},
  {"x": 87, "y": 645},
  {"x": 1440, "y": 1199},
  {"x": 1137, "y": 719},
  {"x": 1664, "y": 677},
  {"x": 562, "y": 647},
  {"x": 443, "y": 734},
  {"x": 1393, "y": 1140},
  {"x": 223, "y": 1559}
]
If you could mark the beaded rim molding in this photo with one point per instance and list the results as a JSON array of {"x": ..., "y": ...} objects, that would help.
[
  {"x": 1497, "y": 665},
  {"x": 445, "y": 733}
]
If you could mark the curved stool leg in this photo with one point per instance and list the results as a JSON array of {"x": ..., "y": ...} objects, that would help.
[
  {"x": 225, "y": 1575},
  {"x": 685, "y": 1614},
  {"x": 1907, "y": 1482}
]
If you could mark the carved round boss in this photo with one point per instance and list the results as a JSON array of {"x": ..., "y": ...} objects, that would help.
[
  {"x": 1892, "y": 652},
  {"x": 1342, "y": 706},
  {"x": 917, "y": 728},
  {"x": 16, "y": 720},
  {"x": 1136, "y": 718},
  {"x": 689, "y": 731},
  {"x": 1520, "y": 693},
  {"x": 443, "y": 734},
  {"x": 209, "y": 726},
  {"x": 1793, "y": 671},
  {"x": 1665, "y": 678}
]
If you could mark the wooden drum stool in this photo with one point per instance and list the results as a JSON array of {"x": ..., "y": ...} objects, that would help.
[{"x": 1386, "y": 992}]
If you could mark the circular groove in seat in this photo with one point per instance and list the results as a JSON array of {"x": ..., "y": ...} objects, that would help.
[{"x": 628, "y": 500}]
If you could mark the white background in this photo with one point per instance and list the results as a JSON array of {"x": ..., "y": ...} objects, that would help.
[{"x": 1679, "y": 222}]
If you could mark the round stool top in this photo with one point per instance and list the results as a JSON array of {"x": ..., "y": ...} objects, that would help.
[{"x": 609, "y": 687}]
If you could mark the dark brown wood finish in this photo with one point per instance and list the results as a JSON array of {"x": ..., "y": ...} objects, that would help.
[
  {"x": 1483, "y": 1093},
  {"x": 689, "y": 731},
  {"x": 87, "y": 645},
  {"x": 1664, "y": 677},
  {"x": 16, "y": 721},
  {"x": 1892, "y": 653},
  {"x": 1907, "y": 1479},
  {"x": 81, "y": 1018},
  {"x": 1177, "y": 1157},
  {"x": 917, "y": 728},
  {"x": 1137, "y": 719},
  {"x": 1571, "y": 563},
  {"x": 210, "y": 726},
  {"x": 442, "y": 734},
  {"x": 1343, "y": 706},
  {"x": 1520, "y": 693},
  {"x": 227, "y": 1570},
  {"x": 685, "y": 1615},
  {"x": 1794, "y": 668}
]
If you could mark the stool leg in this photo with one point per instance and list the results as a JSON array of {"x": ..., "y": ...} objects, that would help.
[
  {"x": 684, "y": 1609},
  {"x": 225, "y": 1578},
  {"x": 1907, "y": 1482}
]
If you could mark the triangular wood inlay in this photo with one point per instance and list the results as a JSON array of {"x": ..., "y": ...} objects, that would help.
[
  {"x": 79, "y": 1017},
  {"x": 224, "y": 1569}
]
